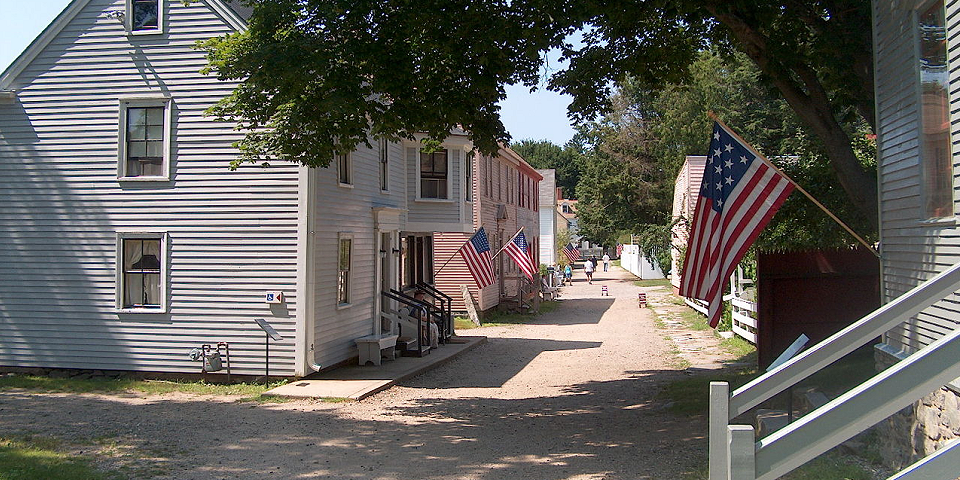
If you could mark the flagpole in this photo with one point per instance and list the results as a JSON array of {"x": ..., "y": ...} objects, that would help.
[
  {"x": 507, "y": 242},
  {"x": 795, "y": 184},
  {"x": 454, "y": 254}
]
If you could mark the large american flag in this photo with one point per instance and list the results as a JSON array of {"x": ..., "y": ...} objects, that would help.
[
  {"x": 739, "y": 194},
  {"x": 519, "y": 251},
  {"x": 476, "y": 252},
  {"x": 572, "y": 253}
]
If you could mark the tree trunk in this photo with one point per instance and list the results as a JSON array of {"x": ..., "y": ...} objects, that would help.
[{"x": 809, "y": 100}]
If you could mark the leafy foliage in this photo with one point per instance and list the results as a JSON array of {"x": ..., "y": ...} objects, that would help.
[
  {"x": 546, "y": 154},
  {"x": 319, "y": 76},
  {"x": 650, "y": 133}
]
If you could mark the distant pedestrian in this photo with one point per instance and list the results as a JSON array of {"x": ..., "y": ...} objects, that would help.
[
  {"x": 567, "y": 275},
  {"x": 588, "y": 267},
  {"x": 606, "y": 262}
]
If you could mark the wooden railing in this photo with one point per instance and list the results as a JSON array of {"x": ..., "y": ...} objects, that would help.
[
  {"x": 745, "y": 324},
  {"x": 734, "y": 452}
]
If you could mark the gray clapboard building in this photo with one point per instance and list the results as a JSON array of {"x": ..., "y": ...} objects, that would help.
[
  {"x": 125, "y": 240},
  {"x": 915, "y": 51}
]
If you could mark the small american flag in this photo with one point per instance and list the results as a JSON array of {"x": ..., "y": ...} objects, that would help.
[
  {"x": 476, "y": 252},
  {"x": 619, "y": 249},
  {"x": 519, "y": 252},
  {"x": 739, "y": 194},
  {"x": 572, "y": 253}
]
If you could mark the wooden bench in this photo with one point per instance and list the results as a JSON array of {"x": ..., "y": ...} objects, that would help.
[{"x": 373, "y": 347}]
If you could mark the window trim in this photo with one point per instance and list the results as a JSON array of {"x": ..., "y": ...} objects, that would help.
[
  {"x": 125, "y": 103},
  {"x": 348, "y": 166},
  {"x": 119, "y": 291},
  {"x": 341, "y": 237},
  {"x": 449, "y": 194},
  {"x": 161, "y": 19}
]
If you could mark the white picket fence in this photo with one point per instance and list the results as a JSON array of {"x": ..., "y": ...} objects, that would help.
[
  {"x": 634, "y": 262},
  {"x": 744, "y": 314}
]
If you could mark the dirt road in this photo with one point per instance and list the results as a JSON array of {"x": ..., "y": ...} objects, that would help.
[{"x": 570, "y": 396}]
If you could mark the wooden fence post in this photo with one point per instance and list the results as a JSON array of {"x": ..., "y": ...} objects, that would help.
[{"x": 717, "y": 436}]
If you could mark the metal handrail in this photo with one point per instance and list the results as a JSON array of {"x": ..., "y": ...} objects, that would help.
[
  {"x": 410, "y": 302},
  {"x": 446, "y": 307}
]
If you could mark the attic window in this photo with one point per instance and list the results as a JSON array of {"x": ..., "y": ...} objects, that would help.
[{"x": 144, "y": 15}]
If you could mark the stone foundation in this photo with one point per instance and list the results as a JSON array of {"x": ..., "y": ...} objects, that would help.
[{"x": 920, "y": 429}]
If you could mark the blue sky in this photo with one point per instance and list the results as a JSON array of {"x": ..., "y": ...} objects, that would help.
[{"x": 541, "y": 115}]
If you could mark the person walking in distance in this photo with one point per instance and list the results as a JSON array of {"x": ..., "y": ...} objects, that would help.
[
  {"x": 588, "y": 267},
  {"x": 606, "y": 262}
]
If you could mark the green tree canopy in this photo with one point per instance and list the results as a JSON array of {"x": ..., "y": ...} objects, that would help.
[
  {"x": 319, "y": 75},
  {"x": 634, "y": 153},
  {"x": 546, "y": 154}
]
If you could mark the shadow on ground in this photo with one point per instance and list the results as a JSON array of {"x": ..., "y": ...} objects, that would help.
[{"x": 608, "y": 430}]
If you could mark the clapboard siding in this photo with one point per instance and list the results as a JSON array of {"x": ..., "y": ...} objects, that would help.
[
  {"x": 686, "y": 190},
  {"x": 496, "y": 184},
  {"x": 913, "y": 250},
  {"x": 547, "y": 194},
  {"x": 232, "y": 235},
  {"x": 436, "y": 211},
  {"x": 455, "y": 273},
  {"x": 349, "y": 211}
]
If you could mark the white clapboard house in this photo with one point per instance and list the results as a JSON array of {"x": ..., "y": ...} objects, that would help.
[{"x": 125, "y": 240}]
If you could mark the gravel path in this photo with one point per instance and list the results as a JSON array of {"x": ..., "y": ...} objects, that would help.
[{"x": 570, "y": 396}]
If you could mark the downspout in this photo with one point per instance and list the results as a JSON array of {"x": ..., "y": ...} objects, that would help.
[{"x": 306, "y": 272}]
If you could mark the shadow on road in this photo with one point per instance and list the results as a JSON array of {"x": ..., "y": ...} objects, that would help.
[{"x": 612, "y": 430}]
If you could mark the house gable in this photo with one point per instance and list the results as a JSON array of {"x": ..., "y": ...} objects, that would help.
[
  {"x": 229, "y": 10},
  {"x": 225, "y": 237}
]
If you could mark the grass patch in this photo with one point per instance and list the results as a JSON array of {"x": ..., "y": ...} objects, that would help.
[
  {"x": 675, "y": 300},
  {"x": 829, "y": 465},
  {"x": 124, "y": 385},
  {"x": 739, "y": 347},
  {"x": 463, "y": 323},
  {"x": 652, "y": 283},
  {"x": 693, "y": 320},
  {"x": 42, "y": 458},
  {"x": 691, "y": 396}
]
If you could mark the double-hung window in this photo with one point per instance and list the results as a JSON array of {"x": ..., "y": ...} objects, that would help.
[
  {"x": 145, "y": 16},
  {"x": 468, "y": 177},
  {"x": 344, "y": 169},
  {"x": 144, "y": 147},
  {"x": 344, "y": 253},
  {"x": 434, "y": 174},
  {"x": 936, "y": 156},
  {"x": 141, "y": 272},
  {"x": 384, "y": 165}
]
